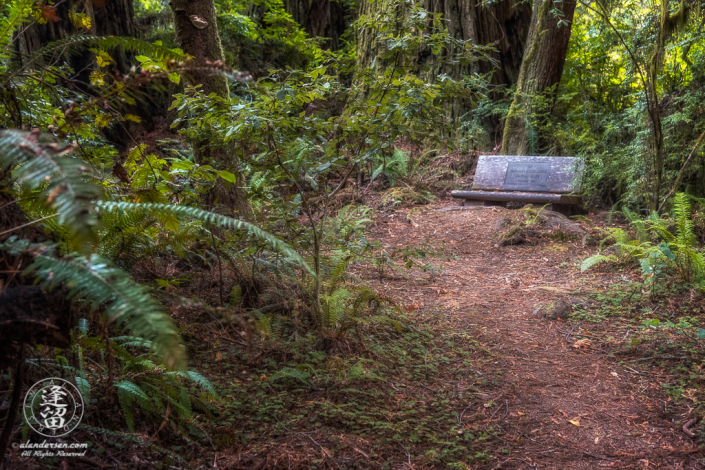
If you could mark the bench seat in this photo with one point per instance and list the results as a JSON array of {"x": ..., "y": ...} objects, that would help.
[
  {"x": 534, "y": 198},
  {"x": 531, "y": 179}
]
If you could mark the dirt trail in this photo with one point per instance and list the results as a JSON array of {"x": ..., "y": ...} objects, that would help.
[{"x": 557, "y": 406}]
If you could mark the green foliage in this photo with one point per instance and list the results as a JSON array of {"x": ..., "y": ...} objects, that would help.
[
  {"x": 394, "y": 168},
  {"x": 94, "y": 281},
  {"x": 148, "y": 392},
  {"x": 596, "y": 259},
  {"x": 216, "y": 220},
  {"x": 602, "y": 104},
  {"x": 677, "y": 252},
  {"x": 60, "y": 180}
]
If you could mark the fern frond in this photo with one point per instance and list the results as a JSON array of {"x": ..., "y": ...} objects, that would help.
[
  {"x": 76, "y": 44},
  {"x": 84, "y": 387},
  {"x": 684, "y": 223},
  {"x": 43, "y": 164},
  {"x": 16, "y": 13},
  {"x": 210, "y": 218},
  {"x": 593, "y": 260},
  {"x": 126, "y": 302},
  {"x": 199, "y": 380},
  {"x": 130, "y": 394},
  {"x": 288, "y": 373}
]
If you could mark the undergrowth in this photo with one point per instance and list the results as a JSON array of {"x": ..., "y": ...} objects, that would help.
[{"x": 398, "y": 397}]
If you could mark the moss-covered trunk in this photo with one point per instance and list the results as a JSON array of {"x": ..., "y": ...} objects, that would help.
[
  {"x": 667, "y": 25},
  {"x": 540, "y": 73},
  {"x": 197, "y": 35}
]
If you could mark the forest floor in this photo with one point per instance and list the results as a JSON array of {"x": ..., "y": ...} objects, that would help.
[
  {"x": 554, "y": 402},
  {"x": 475, "y": 380}
]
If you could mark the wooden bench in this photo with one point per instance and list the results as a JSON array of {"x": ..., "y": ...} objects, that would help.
[{"x": 540, "y": 180}]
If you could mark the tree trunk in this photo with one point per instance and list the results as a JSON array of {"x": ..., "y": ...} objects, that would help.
[
  {"x": 320, "y": 19},
  {"x": 108, "y": 18},
  {"x": 667, "y": 25},
  {"x": 541, "y": 70},
  {"x": 197, "y": 35},
  {"x": 504, "y": 24}
]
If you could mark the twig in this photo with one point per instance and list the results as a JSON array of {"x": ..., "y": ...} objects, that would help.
[
  {"x": 161, "y": 426},
  {"x": 636, "y": 372},
  {"x": 429, "y": 388},
  {"x": 460, "y": 418},
  {"x": 505, "y": 404},
  {"x": 598, "y": 456},
  {"x": 675, "y": 358},
  {"x": 322, "y": 448},
  {"x": 687, "y": 425},
  {"x": 27, "y": 224}
]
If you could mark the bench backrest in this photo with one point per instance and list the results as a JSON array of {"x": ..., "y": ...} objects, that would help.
[{"x": 530, "y": 174}]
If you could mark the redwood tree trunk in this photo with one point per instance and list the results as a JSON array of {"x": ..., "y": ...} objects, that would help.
[
  {"x": 320, "y": 19},
  {"x": 197, "y": 35},
  {"x": 504, "y": 24},
  {"x": 541, "y": 70},
  {"x": 108, "y": 18}
]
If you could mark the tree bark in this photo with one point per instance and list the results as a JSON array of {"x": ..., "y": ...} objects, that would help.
[
  {"x": 540, "y": 73},
  {"x": 108, "y": 18},
  {"x": 504, "y": 24},
  {"x": 197, "y": 35},
  {"x": 667, "y": 25},
  {"x": 320, "y": 19}
]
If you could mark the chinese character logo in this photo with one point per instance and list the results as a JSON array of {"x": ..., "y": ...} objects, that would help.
[{"x": 53, "y": 407}]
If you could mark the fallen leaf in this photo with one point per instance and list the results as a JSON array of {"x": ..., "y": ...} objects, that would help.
[
  {"x": 49, "y": 13},
  {"x": 574, "y": 422}
]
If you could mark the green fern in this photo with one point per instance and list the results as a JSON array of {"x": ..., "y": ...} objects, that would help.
[
  {"x": 61, "y": 179},
  {"x": 126, "y": 302},
  {"x": 76, "y": 44},
  {"x": 289, "y": 374},
  {"x": 210, "y": 218},
  {"x": 596, "y": 259},
  {"x": 130, "y": 395}
]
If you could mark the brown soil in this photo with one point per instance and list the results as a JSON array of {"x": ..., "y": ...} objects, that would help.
[{"x": 558, "y": 404}]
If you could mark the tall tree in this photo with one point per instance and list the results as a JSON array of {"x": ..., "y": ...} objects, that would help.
[
  {"x": 668, "y": 23},
  {"x": 503, "y": 24},
  {"x": 197, "y": 35},
  {"x": 320, "y": 19},
  {"x": 541, "y": 70},
  {"x": 75, "y": 17}
]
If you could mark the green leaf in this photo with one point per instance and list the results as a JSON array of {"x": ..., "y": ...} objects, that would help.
[
  {"x": 227, "y": 176},
  {"x": 175, "y": 77}
]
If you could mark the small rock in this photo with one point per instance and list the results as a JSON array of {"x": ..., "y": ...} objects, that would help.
[
  {"x": 554, "y": 310},
  {"x": 502, "y": 224}
]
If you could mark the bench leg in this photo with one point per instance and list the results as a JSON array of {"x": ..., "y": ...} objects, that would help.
[{"x": 496, "y": 203}]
